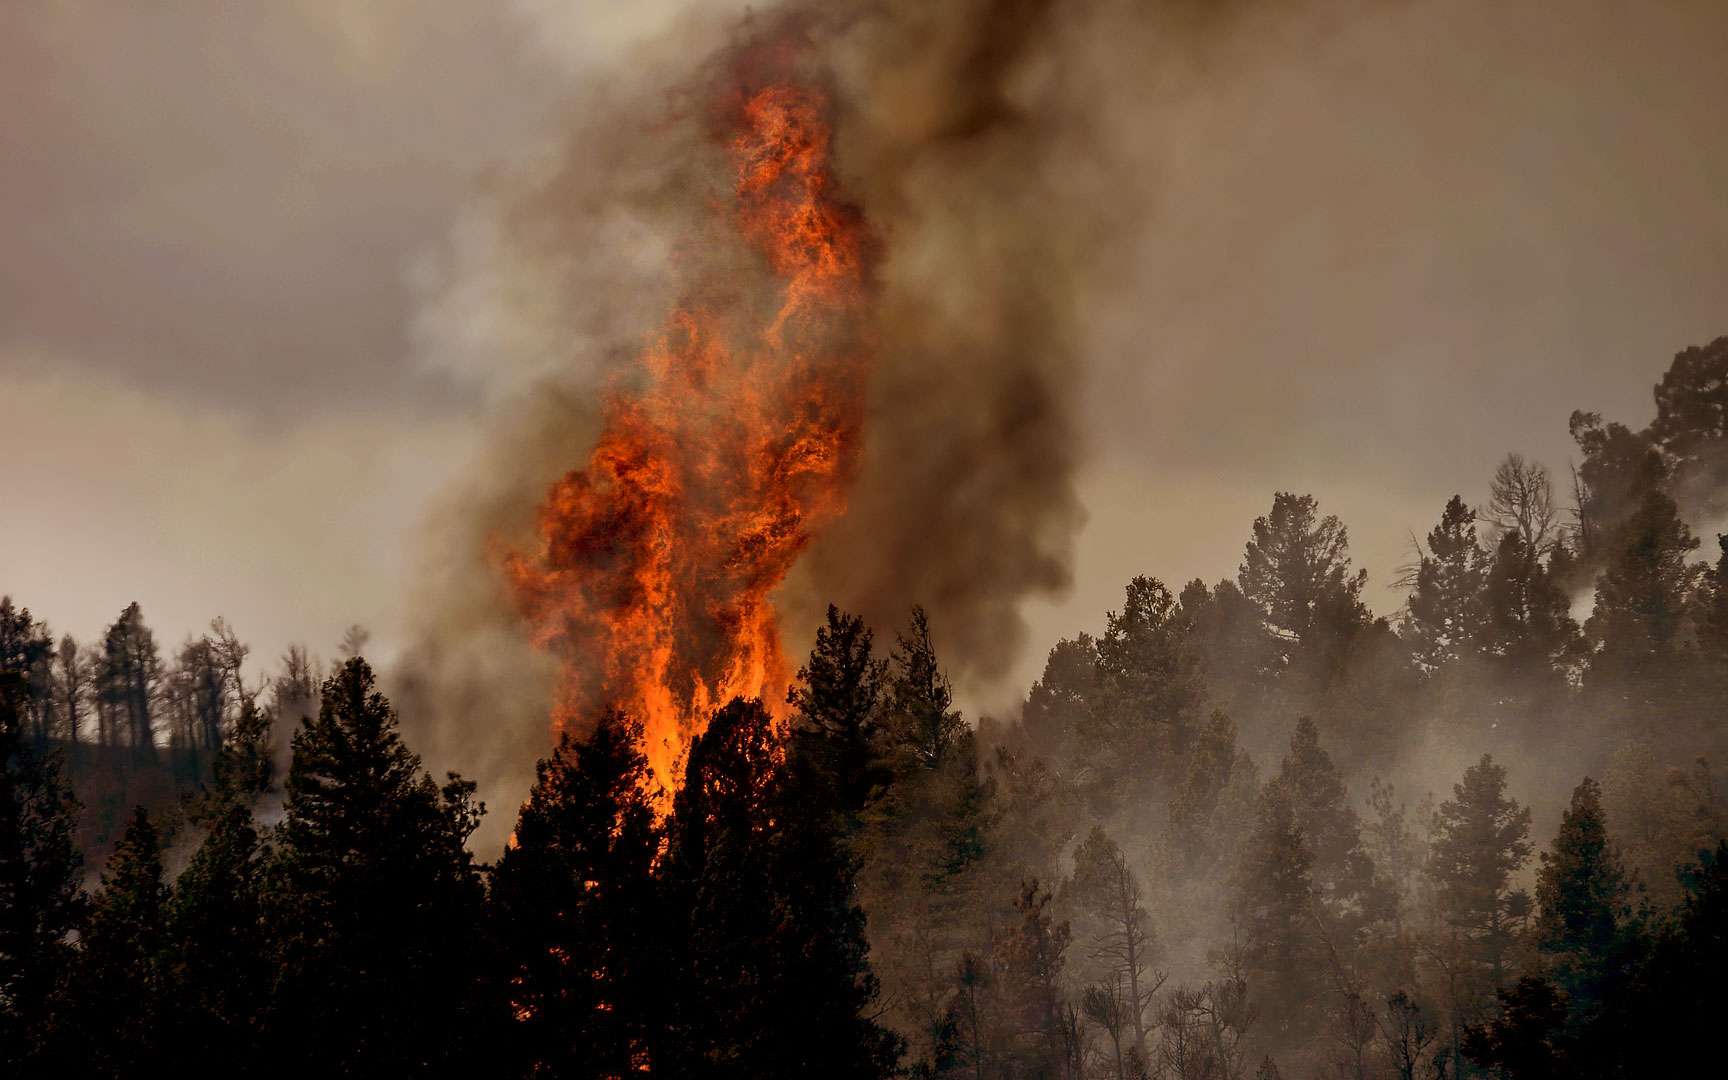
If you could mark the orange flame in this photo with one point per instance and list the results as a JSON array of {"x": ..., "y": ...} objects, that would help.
[{"x": 658, "y": 559}]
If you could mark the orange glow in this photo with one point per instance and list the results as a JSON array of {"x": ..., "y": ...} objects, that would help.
[{"x": 654, "y": 578}]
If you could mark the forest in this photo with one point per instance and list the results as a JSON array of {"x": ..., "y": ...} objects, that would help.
[{"x": 1247, "y": 829}]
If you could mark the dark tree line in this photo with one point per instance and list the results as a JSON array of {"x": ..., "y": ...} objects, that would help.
[{"x": 1216, "y": 843}]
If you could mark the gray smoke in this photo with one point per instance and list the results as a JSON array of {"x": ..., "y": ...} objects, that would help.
[{"x": 1002, "y": 151}]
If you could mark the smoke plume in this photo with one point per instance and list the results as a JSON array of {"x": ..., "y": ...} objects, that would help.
[{"x": 983, "y": 142}]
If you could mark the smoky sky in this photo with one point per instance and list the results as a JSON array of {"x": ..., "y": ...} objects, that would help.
[{"x": 254, "y": 327}]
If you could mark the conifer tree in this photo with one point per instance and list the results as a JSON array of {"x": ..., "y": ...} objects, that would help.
[
  {"x": 1341, "y": 871},
  {"x": 1481, "y": 838},
  {"x": 219, "y": 971},
  {"x": 1643, "y": 593},
  {"x": 574, "y": 910},
  {"x": 837, "y": 696},
  {"x": 373, "y": 898},
  {"x": 119, "y": 999},
  {"x": 128, "y": 676},
  {"x": 1297, "y": 571},
  {"x": 1033, "y": 955},
  {"x": 1147, "y": 706},
  {"x": 40, "y": 900},
  {"x": 766, "y": 923},
  {"x": 1446, "y": 604},
  {"x": 1527, "y": 632},
  {"x": 1193, "y": 812},
  {"x": 1272, "y": 904},
  {"x": 1582, "y": 900}
]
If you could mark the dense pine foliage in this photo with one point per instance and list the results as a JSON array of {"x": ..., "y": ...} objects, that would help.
[{"x": 1247, "y": 829}]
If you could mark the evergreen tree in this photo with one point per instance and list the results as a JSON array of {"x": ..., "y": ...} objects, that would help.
[
  {"x": 373, "y": 898},
  {"x": 72, "y": 686},
  {"x": 1691, "y": 425},
  {"x": 1642, "y": 598},
  {"x": 219, "y": 973},
  {"x": 25, "y": 654},
  {"x": 766, "y": 924},
  {"x": 119, "y": 998},
  {"x": 835, "y": 730},
  {"x": 1273, "y": 908},
  {"x": 1527, "y": 1040},
  {"x": 1445, "y": 608},
  {"x": 1033, "y": 955},
  {"x": 40, "y": 901},
  {"x": 923, "y": 844},
  {"x": 574, "y": 910},
  {"x": 1196, "y": 828},
  {"x": 1527, "y": 632},
  {"x": 128, "y": 676},
  {"x": 921, "y": 727},
  {"x": 1297, "y": 571},
  {"x": 1620, "y": 469},
  {"x": 1341, "y": 871},
  {"x": 1058, "y": 704},
  {"x": 1681, "y": 997},
  {"x": 1150, "y": 690},
  {"x": 1240, "y": 656},
  {"x": 1582, "y": 900},
  {"x": 1481, "y": 838}
]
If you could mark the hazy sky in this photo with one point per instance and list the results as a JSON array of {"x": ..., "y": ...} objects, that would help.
[{"x": 1379, "y": 259}]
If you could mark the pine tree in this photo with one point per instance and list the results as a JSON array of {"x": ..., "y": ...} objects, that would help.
[
  {"x": 1527, "y": 630},
  {"x": 1033, "y": 955},
  {"x": 1481, "y": 838},
  {"x": 25, "y": 653},
  {"x": 1445, "y": 609},
  {"x": 574, "y": 908},
  {"x": 765, "y": 924},
  {"x": 1582, "y": 901},
  {"x": 1195, "y": 827},
  {"x": 1620, "y": 469},
  {"x": 72, "y": 686},
  {"x": 1297, "y": 571},
  {"x": 1058, "y": 704},
  {"x": 921, "y": 727},
  {"x": 835, "y": 730},
  {"x": 1147, "y": 706},
  {"x": 1681, "y": 996},
  {"x": 1642, "y": 600},
  {"x": 1272, "y": 904},
  {"x": 40, "y": 901},
  {"x": 1240, "y": 656},
  {"x": 372, "y": 896},
  {"x": 119, "y": 998},
  {"x": 1341, "y": 871},
  {"x": 923, "y": 843},
  {"x": 1691, "y": 425},
  {"x": 128, "y": 676},
  {"x": 220, "y": 973}
]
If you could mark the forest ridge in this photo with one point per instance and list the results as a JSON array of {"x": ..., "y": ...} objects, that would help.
[{"x": 1196, "y": 854}]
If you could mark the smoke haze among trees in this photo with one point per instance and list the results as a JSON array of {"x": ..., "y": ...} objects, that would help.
[
  {"x": 1212, "y": 844},
  {"x": 1280, "y": 628}
]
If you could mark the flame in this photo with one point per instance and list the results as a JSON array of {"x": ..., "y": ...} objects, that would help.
[{"x": 658, "y": 559}]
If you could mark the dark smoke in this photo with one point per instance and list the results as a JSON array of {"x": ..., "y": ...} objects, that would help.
[{"x": 983, "y": 140}]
